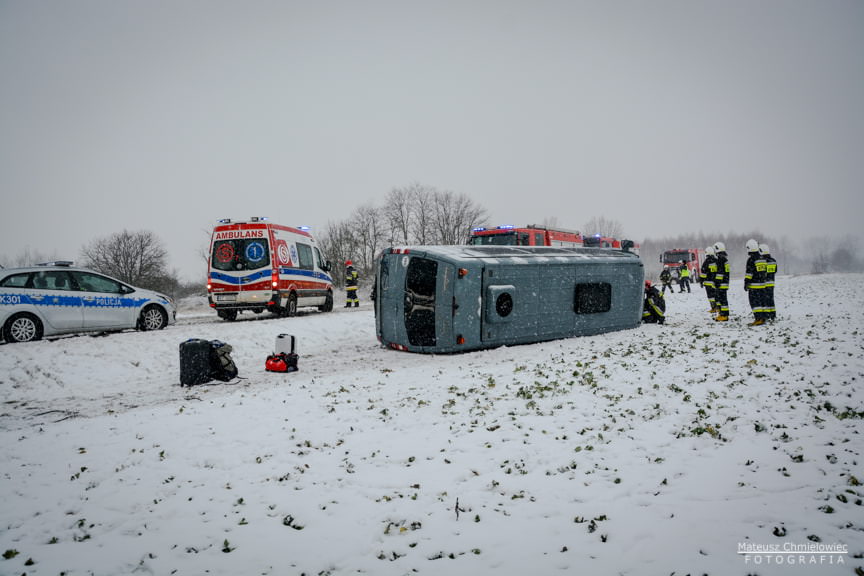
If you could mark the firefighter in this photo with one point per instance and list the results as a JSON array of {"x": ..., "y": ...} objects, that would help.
[
  {"x": 684, "y": 278},
  {"x": 706, "y": 277},
  {"x": 770, "y": 272},
  {"x": 721, "y": 282},
  {"x": 351, "y": 277},
  {"x": 654, "y": 305},
  {"x": 666, "y": 280},
  {"x": 754, "y": 282}
]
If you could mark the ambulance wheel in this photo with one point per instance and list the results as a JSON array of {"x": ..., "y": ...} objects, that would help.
[
  {"x": 328, "y": 303},
  {"x": 152, "y": 318},
  {"x": 229, "y": 315},
  {"x": 291, "y": 305},
  {"x": 22, "y": 328}
]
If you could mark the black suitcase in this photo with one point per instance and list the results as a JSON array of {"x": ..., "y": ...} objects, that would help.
[{"x": 194, "y": 362}]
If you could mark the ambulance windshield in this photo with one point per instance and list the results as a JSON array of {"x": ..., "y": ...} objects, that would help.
[{"x": 240, "y": 254}]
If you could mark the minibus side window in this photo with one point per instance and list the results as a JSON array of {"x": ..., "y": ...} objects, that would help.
[{"x": 592, "y": 298}]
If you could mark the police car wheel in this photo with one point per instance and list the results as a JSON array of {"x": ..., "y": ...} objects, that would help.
[
  {"x": 153, "y": 318},
  {"x": 22, "y": 328}
]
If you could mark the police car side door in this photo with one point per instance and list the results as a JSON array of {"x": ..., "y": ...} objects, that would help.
[
  {"x": 47, "y": 294},
  {"x": 55, "y": 299},
  {"x": 105, "y": 304}
]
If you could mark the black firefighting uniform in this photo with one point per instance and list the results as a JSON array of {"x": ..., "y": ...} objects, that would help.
[
  {"x": 653, "y": 307},
  {"x": 721, "y": 284},
  {"x": 351, "y": 277},
  {"x": 706, "y": 275},
  {"x": 768, "y": 303},
  {"x": 666, "y": 279},
  {"x": 754, "y": 284}
]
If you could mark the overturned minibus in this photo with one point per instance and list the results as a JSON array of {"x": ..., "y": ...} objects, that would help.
[{"x": 455, "y": 298}]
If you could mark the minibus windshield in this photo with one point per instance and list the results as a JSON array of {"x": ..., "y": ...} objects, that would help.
[{"x": 419, "y": 308}]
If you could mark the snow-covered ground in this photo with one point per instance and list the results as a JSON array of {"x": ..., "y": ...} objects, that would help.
[{"x": 659, "y": 450}]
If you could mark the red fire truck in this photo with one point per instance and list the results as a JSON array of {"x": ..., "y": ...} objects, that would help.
[
  {"x": 531, "y": 235},
  {"x": 676, "y": 257},
  {"x": 534, "y": 235}
]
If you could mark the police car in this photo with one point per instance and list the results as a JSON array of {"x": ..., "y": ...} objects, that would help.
[{"x": 57, "y": 298}]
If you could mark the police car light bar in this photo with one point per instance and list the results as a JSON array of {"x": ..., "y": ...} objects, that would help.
[{"x": 65, "y": 263}]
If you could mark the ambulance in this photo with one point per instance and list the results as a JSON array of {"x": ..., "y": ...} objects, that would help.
[{"x": 256, "y": 265}]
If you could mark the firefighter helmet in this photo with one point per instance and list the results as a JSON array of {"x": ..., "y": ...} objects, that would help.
[
  {"x": 752, "y": 245},
  {"x": 348, "y": 263},
  {"x": 709, "y": 251},
  {"x": 647, "y": 284},
  {"x": 763, "y": 249},
  {"x": 719, "y": 247}
]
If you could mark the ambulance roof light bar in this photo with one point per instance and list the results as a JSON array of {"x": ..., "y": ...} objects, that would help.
[{"x": 252, "y": 219}]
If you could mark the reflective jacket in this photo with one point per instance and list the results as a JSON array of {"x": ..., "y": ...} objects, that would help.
[
  {"x": 351, "y": 277},
  {"x": 708, "y": 271},
  {"x": 721, "y": 277},
  {"x": 754, "y": 273},
  {"x": 770, "y": 270}
]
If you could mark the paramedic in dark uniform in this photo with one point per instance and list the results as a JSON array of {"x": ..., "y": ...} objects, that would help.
[{"x": 351, "y": 277}]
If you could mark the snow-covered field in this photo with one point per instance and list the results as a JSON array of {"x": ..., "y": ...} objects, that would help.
[{"x": 659, "y": 450}]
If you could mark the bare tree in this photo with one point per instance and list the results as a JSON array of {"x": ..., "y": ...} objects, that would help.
[
  {"x": 454, "y": 217},
  {"x": 138, "y": 258},
  {"x": 398, "y": 209},
  {"x": 337, "y": 243},
  {"x": 603, "y": 226},
  {"x": 28, "y": 257},
  {"x": 423, "y": 201},
  {"x": 369, "y": 233}
]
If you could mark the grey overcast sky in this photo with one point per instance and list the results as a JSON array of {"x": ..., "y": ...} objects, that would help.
[{"x": 667, "y": 116}]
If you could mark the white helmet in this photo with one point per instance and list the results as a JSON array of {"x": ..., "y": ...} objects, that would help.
[
  {"x": 709, "y": 251},
  {"x": 752, "y": 245},
  {"x": 719, "y": 247},
  {"x": 763, "y": 249}
]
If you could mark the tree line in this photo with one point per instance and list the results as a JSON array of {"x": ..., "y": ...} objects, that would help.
[
  {"x": 135, "y": 257},
  {"x": 419, "y": 214},
  {"x": 416, "y": 214}
]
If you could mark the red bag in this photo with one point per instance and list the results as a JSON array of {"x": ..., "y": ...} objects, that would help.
[{"x": 282, "y": 362}]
